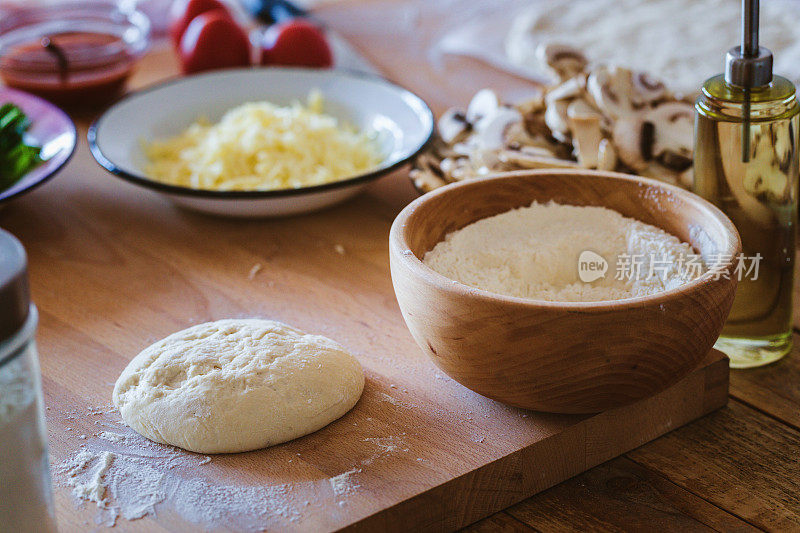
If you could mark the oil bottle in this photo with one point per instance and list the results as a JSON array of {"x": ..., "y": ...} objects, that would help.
[{"x": 746, "y": 162}]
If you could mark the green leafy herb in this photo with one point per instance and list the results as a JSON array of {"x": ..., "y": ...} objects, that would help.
[{"x": 16, "y": 157}]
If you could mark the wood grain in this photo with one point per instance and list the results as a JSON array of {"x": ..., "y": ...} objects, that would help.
[
  {"x": 454, "y": 82},
  {"x": 499, "y": 523},
  {"x": 621, "y": 495},
  {"x": 127, "y": 298},
  {"x": 772, "y": 389},
  {"x": 93, "y": 326},
  {"x": 113, "y": 268},
  {"x": 738, "y": 460},
  {"x": 561, "y": 357}
]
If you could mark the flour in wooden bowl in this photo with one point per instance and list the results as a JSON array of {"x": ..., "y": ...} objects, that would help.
[{"x": 556, "y": 252}]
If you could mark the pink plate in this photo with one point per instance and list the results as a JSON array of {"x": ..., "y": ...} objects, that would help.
[{"x": 51, "y": 129}]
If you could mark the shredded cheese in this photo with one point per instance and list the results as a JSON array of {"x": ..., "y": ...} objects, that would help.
[{"x": 263, "y": 146}]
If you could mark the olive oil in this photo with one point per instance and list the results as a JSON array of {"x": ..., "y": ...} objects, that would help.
[{"x": 746, "y": 162}]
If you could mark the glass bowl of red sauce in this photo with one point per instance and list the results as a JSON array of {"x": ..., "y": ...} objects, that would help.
[{"x": 77, "y": 55}]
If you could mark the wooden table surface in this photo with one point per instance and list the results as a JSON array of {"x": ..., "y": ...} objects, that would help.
[{"x": 736, "y": 469}]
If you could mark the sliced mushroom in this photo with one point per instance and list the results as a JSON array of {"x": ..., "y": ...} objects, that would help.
[
  {"x": 758, "y": 182},
  {"x": 659, "y": 172},
  {"x": 462, "y": 149},
  {"x": 782, "y": 146},
  {"x": 556, "y": 119},
  {"x": 443, "y": 150},
  {"x": 453, "y": 126},
  {"x": 675, "y": 161},
  {"x": 686, "y": 178},
  {"x": 428, "y": 175},
  {"x": 516, "y": 134},
  {"x": 606, "y": 155},
  {"x": 564, "y": 61},
  {"x": 673, "y": 144},
  {"x": 535, "y": 124},
  {"x": 484, "y": 103},
  {"x": 429, "y": 163},
  {"x": 584, "y": 123},
  {"x": 633, "y": 137},
  {"x": 611, "y": 90},
  {"x": 531, "y": 105},
  {"x": 607, "y": 118},
  {"x": 523, "y": 160},
  {"x": 461, "y": 171},
  {"x": 554, "y": 149},
  {"x": 537, "y": 151},
  {"x": 572, "y": 88},
  {"x": 425, "y": 180},
  {"x": 557, "y": 101},
  {"x": 447, "y": 164},
  {"x": 647, "y": 89},
  {"x": 490, "y": 131}
]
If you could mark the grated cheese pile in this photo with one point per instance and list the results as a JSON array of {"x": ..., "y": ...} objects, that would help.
[
  {"x": 533, "y": 252},
  {"x": 262, "y": 146}
]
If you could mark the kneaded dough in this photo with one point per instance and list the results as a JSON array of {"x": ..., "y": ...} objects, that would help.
[{"x": 237, "y": 385}]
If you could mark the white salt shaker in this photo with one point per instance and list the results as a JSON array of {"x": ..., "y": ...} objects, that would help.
[{"x": 26, "y": 498}]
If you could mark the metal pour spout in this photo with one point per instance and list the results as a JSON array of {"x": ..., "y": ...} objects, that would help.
[
  {"x": 750, "y": 28},
  {"x": 749, "y": 65}
]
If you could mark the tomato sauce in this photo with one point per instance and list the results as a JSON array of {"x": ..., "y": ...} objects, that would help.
[{"x": 71, "y": 69}]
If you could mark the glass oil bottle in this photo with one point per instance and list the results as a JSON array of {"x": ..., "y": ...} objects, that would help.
[{"x": 746, "y": 163}]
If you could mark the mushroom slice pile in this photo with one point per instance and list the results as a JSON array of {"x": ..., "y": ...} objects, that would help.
[{"x": 603, "y": 117}]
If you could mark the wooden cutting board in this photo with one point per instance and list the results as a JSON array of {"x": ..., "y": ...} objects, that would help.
[{"x": 114, "y": 268}]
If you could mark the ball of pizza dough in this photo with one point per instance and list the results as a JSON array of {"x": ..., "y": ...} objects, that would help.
[{"x": 236, "y": 385}]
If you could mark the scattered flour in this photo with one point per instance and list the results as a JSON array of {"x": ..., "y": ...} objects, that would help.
[
  {"x": 390, "y": 399},
  {"x": 128, "y": 485},
  {"x": 94, "y": 488},
  {"x": 533, "y": 252},
  {"x": 394, "y": 401},
  {"x": 254, "y": 271},
  {"x": 344, "y": 484},
  {"x": 128, "y": 477},
  {"x": 100, "y": 410},
  {"x": 111, "y": 437},
  {"x": 388, "y": 445}
]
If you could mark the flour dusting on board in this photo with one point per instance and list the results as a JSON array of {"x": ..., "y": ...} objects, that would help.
[
  {"x": 344, "y": 483},
  {"x": 128, "y": 477},
  {"x": 394, "y": 401}
]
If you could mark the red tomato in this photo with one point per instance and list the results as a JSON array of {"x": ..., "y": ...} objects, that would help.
[
  {"x": 296, "y": 43},
  {"x": 184, "y": 11},
  {"x": 213, "y": 41}
]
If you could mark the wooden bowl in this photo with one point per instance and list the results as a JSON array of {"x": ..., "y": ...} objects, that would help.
[{"x": 579, "y": 357}]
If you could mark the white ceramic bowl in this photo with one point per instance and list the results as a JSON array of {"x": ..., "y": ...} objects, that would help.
[{"x": 402, "y": 121}]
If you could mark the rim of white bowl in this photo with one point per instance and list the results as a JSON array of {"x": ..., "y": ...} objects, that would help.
[{"x": 149, "y": 183}]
